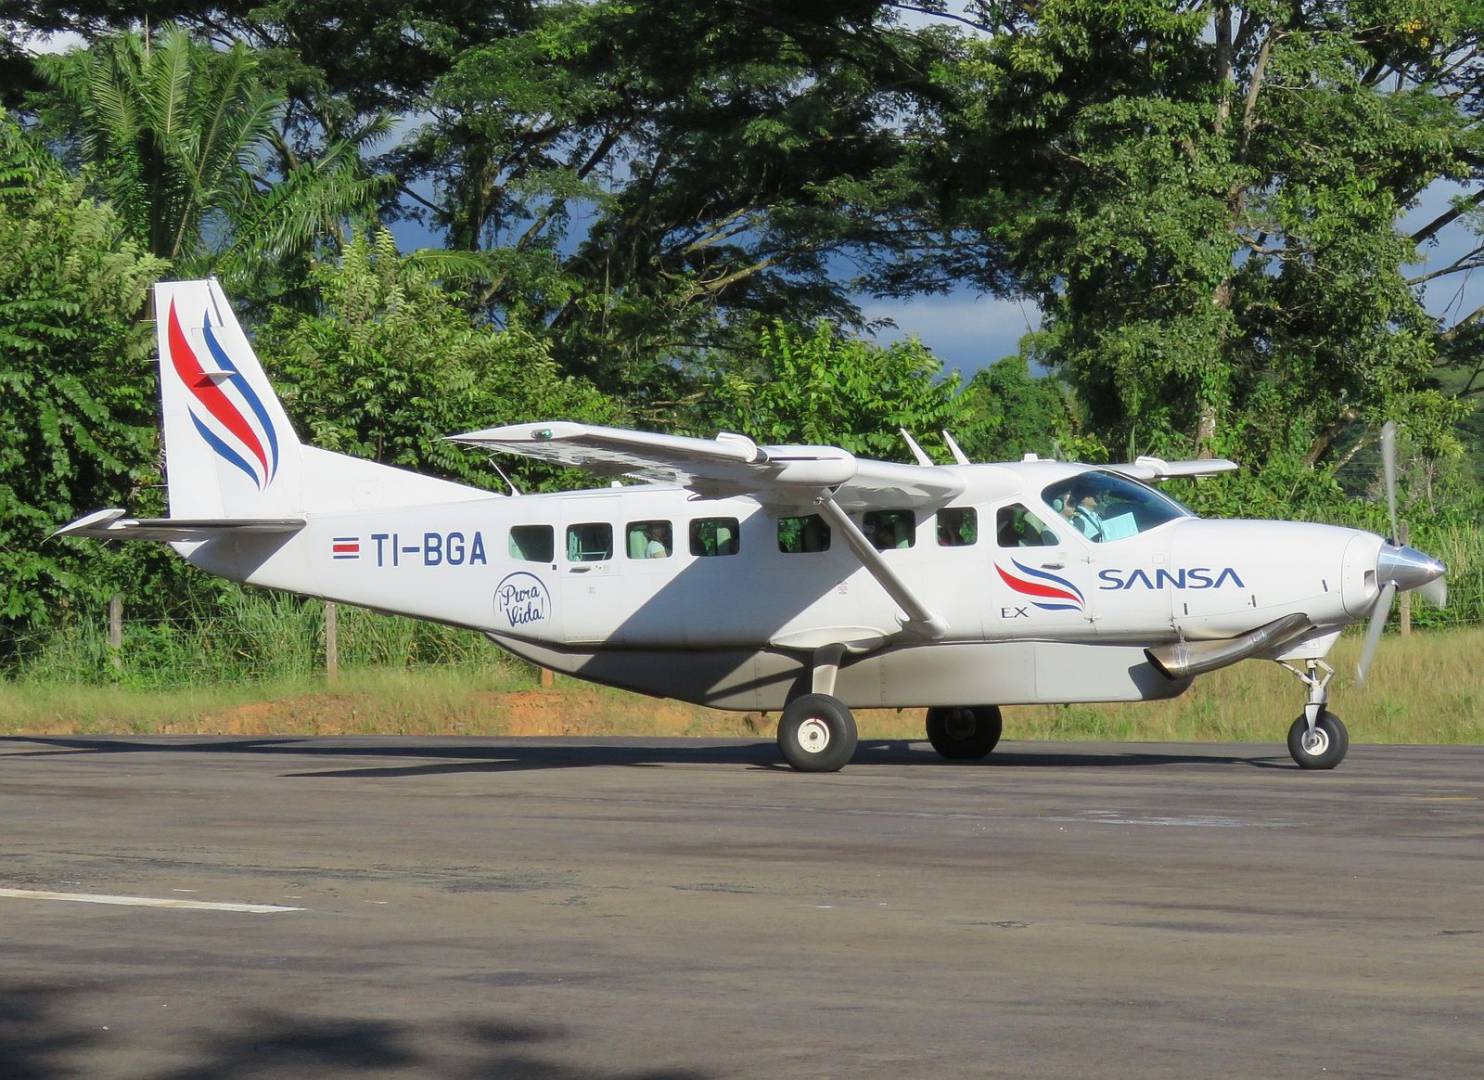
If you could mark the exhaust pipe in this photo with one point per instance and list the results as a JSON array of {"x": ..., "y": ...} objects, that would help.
[{"x": 1182, "y": 659}]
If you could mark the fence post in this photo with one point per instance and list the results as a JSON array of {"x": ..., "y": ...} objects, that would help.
[
  {"x": 332, "y": 641},
  {"x": 1404, "y": 609},
  {"x": 116, "y": 631},
  {"x": 548, "y": 677}
]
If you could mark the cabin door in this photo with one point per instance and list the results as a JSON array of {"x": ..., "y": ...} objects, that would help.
[
  {"x": 590, "y": 568},
  {"x": 1042, "y": 581}
]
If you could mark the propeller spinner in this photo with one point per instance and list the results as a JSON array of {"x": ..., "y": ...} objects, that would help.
[{"x": 1398, "y": 568}]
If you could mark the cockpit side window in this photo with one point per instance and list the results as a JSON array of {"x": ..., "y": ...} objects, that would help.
[
  {"x": 1016, "y": 526},
  {"x": 1105, "y": 507}
]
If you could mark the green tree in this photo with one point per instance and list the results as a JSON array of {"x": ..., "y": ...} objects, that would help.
[
  {"x": 77, "y": 393},
  {"x": 391, "y": 363},
  {"x": 178, "y": 137},
  {"x": 817, "y": 385},
  {"x": 1009, "y": 412},
  {"x": 1204, "y": 198},
  {"x": 653, "y": 181}
]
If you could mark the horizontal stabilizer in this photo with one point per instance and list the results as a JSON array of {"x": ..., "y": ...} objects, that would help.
[
  {"x": 1153, "y": 468},
  {"x": 112, "y": 524}
]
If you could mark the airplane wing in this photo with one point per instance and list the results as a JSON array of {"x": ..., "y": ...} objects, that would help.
[
  {"x": 111, "y": 524},
  {"x": 828, "y": 478},
  {"x": 1153, "y": 468},
  {"x": 727, "y": 465}
]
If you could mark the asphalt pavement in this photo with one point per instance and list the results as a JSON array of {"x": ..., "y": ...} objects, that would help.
[{"x": 675, "y": 909}]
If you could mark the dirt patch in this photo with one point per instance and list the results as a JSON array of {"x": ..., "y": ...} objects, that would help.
[{"x": 560, "y": 711}]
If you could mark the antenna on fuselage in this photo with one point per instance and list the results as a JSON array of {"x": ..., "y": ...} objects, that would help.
[
  {"x": 917, "y": 451},
  {"x": 958, "y": 455}
]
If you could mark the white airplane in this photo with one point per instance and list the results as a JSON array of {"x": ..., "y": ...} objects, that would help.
[{"x": 792, "y": 578}]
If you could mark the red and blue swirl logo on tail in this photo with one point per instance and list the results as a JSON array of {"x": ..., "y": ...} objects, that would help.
[
  {"x": 1047, "y": 591},
  {"x": 224, "y": 407}
]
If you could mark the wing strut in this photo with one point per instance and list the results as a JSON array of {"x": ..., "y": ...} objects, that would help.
[{"x": 919, "y": 619}]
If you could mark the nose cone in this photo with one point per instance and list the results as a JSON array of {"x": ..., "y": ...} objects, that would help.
[{"x": 1407, "y": 567}]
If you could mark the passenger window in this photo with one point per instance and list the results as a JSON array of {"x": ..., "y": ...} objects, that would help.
[
  {"x": 958, "y": 527},
  {"x": 650, "y": 540},
  {"x": 715, "y": 536},
  {"x": 589, "y": 542},
  {"x": 890, "y": 528},
  {"x": 1015, "y": 526},
  {"x": 798, "y": 535},
  {"x": 533, "y": 543}
]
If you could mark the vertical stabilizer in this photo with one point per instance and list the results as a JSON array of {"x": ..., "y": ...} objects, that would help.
[{"x": 229, "y": 449}]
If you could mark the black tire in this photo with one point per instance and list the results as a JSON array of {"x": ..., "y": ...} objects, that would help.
[
  {"x": 1331, "y": 743},
  {"x": 964, "y": 732},
  {"x": 816, "y": 733}
]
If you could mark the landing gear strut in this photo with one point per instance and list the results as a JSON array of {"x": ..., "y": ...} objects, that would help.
[
  {"x": 964, "y": 732},
  {"x": 817, "y": 731},
  {"x": 1318, "y": 739}
]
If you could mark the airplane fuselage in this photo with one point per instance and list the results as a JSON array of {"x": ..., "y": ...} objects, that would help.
[{"x": 721, "y": 600}]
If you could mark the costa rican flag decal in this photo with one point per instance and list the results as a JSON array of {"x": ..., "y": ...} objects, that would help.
[
  {"x": 1047, "y": 591},
  {"x": 224, "y": 407}
]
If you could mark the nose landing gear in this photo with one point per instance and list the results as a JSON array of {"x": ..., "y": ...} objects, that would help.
[{"x": 1318, "y": 739}]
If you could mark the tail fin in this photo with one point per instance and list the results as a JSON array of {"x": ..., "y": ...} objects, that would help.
[
  {"x": 230, "y": 453},
  {"x": 229, "y": 449}
]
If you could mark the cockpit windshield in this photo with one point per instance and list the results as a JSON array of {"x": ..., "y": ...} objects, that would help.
[{"x": 1104, "y": 506}]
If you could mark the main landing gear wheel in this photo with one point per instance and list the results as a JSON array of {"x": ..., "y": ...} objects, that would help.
[
  {"x": 816, "y": 733},
  {"x": 963, "y": 732},
  {"x": 1322, "y": 748}
]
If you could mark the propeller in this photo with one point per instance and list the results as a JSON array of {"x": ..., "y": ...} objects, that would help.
[
  {"x": 1435, "y": 592},
  {"x": 1397, "y": 567},
  {"x": 1388, "y": 470},
  {"x": 1379, "y": 613}
]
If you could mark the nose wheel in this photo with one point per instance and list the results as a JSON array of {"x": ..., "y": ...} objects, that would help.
[
  {"x": 1321, "y": 746},
  {"x": 1317, "y": 739}
]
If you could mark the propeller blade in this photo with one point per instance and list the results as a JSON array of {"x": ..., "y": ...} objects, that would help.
[
  {"x": 1435, "y": 592},
  {"x": 1388, "y": 469},
  {"x": 1379, "y": 613}
]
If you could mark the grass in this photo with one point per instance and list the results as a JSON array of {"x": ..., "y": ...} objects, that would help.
[{"x": 1422, "y": 689}]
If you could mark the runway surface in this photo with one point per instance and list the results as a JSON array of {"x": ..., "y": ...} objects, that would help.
[{"x": 677, "y": 909}]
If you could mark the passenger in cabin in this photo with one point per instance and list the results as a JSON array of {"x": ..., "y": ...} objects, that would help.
[
  {"x": 657, "y": 546},
  {"x": 1016, "y": 526},
  {"x": 1086, "y": 514}
]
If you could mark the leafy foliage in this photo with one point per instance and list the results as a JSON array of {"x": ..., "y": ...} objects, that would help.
[
  {"x": 76, "y": 385},
  {"x": 666, "y": 214},
  {"x": 392, "y": 363},
  {"x": 176, "y": 135},
  {"x": 819, "y": 385},
  {"x": 1204, "y": 199}
]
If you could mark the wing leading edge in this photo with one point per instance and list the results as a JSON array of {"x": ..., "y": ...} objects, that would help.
[{"x": 727, "y": 465}]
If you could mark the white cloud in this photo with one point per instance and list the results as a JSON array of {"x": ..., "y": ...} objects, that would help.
[
  {"x": 966, "y": 330},
  {"x": 60, "y": 42}
]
